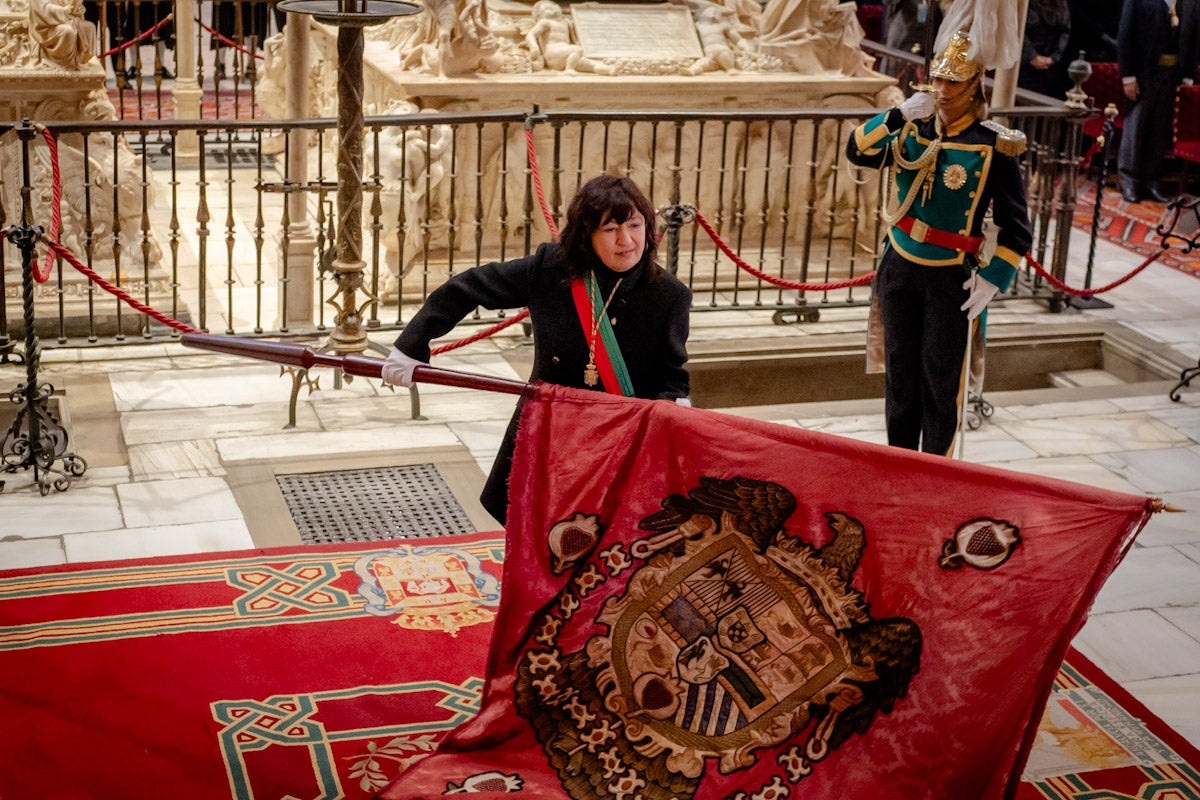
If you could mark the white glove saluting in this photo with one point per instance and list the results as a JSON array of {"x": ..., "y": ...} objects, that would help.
[
  {"x": 919, "y": 106},
  {"x": 398, "y": 368},
  {"x": 981, "y": 294}
]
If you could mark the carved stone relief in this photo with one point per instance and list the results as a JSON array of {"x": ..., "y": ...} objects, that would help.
[
  {"x": 512, "y": 54},
  {"x": 414, "y": 169},
  {"x": 63, "y": 37},
  {"x": 50, "y": 73}
]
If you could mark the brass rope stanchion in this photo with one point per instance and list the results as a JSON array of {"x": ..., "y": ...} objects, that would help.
[
  {"x": 1105, "y": 142},
  {"x": 36, "y": 439}
]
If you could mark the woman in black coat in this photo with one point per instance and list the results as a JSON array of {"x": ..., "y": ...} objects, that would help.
[{"x": 607, "y": 255}]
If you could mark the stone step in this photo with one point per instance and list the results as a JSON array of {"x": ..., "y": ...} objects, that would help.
[
  {"x": 767, "y": 370},
  {"x": 1084, "y": 377}
]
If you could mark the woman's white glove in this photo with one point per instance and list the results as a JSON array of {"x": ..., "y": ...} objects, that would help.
[
  {"x": 398, "y": 368},
  {"x": 981, "y": 294},
  {"x": 686, "y": 402},
  {"x": 919, "y": 106}
]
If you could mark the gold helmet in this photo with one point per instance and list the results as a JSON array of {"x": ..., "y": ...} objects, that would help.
[{"x": 953, "y": 64}]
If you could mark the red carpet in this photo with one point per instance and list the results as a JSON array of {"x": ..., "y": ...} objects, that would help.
[
  {"x": 322, "y": 672},
  {"x": 1096, "y": 741},
  {"x": 311, "y": 673},
  {"x": 1132, "y": 226},
  {"x": 227, "y": 105}
]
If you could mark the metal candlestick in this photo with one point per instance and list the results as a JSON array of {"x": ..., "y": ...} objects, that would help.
[
  {"x": 1181, "y": 224},
  {"x": 349, "y": 17},
  {"x": 36, "y": 438}
]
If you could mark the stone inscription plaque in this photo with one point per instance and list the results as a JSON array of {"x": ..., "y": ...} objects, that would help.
[{"x": 613, "y": 30}]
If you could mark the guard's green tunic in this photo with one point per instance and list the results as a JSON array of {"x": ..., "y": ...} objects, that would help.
[
  {"x": 976, "y": 167},
  {"x": 946, "y": 192}
]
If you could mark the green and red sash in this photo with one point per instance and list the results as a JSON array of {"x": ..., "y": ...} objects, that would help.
[{"x": 614, "y": 375}]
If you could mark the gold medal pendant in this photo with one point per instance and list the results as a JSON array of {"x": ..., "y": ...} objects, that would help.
[{"x": 590, "y": 376}]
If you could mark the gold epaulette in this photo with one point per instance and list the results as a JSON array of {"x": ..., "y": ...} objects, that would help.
[{"x": 1008, "y": 141}]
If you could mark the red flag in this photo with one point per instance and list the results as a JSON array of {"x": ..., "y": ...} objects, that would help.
[{"x": 700, "y": 606}]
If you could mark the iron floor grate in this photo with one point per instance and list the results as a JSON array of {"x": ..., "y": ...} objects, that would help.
[
  {"x": 217, "y": 155},
  {"x": 367, "y": 505}
]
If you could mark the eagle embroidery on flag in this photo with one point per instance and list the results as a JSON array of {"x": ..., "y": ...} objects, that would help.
[
  {"x": 732, "y": 637},
  {"x": 702, "y": 607}
]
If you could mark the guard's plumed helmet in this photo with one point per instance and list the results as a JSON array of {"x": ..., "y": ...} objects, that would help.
[{"x": 952, "y": 64}]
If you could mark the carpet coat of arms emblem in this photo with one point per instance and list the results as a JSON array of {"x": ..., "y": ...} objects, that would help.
[
  {"x": 730, "y": 635},
  {"x": 428, "y": 587}
]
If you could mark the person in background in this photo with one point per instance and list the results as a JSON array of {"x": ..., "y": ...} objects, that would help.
[
  {"x": 904, "y": 26},
  {"x": 1044, "y": 55},
  {"x": 605, "y": 315},
  {"x": 951, "y": 166},
  {"x": 1094, "y": 29},
  {"x": 244, "y": 23},
  {"x": 1157, "y": 42}
]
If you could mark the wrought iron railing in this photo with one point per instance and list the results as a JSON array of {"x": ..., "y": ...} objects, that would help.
[
  {"x": 215, "y": 47},
  {"x": 229, "y": 225}
]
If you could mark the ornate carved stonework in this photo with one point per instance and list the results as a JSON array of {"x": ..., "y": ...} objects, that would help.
[
  {"x": 477, "y": 55},
  {"x": 50, "y": 73}
]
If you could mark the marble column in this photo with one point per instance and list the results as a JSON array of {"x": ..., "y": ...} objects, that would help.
[
  {"x": 300, "y": 243},
  {"x": 187, "y": 93}
]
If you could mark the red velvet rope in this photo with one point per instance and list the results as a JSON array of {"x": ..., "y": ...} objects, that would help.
[
  {"x": 531, "y": 153},
  {"x": 862, "y": 280},
  {"x": 60, "y": 250},
  {"x": 483, "y": 334},
  {"x": 1086, "y": 161},
  {"x": 42, "y": 274},
  {"x": 227, "y": 41},
  {"x": 140, "y": 37},
  {"x": 1062, "y": 287}
]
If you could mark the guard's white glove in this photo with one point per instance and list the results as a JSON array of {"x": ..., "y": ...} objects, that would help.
[
  {"x": 398, "y": 368},
  {"x": 686, "y": 402},
  {"x": 919, "y": 106},
  {"x": 980, "y": 296}
]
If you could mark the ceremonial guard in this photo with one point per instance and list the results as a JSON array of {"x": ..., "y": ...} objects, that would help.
[{"x": 950, "y": 165}]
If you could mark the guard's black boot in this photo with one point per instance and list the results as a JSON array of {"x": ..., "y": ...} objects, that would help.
[
  {"x": 1130, "y": 191},
  {"x": 1159, "y": 195}
]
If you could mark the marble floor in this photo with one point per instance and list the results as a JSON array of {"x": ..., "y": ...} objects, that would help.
[{"x": 178, "y": 443}]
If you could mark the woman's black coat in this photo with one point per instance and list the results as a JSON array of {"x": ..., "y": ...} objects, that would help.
[{"x": 651, "y": 325}]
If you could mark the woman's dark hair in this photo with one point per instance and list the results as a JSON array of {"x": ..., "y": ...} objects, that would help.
[{"x": 604, "y": 198}]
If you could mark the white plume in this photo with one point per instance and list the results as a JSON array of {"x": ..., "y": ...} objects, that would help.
[{"x": 995, "y": 27}]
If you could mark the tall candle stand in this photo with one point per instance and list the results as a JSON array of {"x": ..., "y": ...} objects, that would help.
[{"x": 36, "y": 438}]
